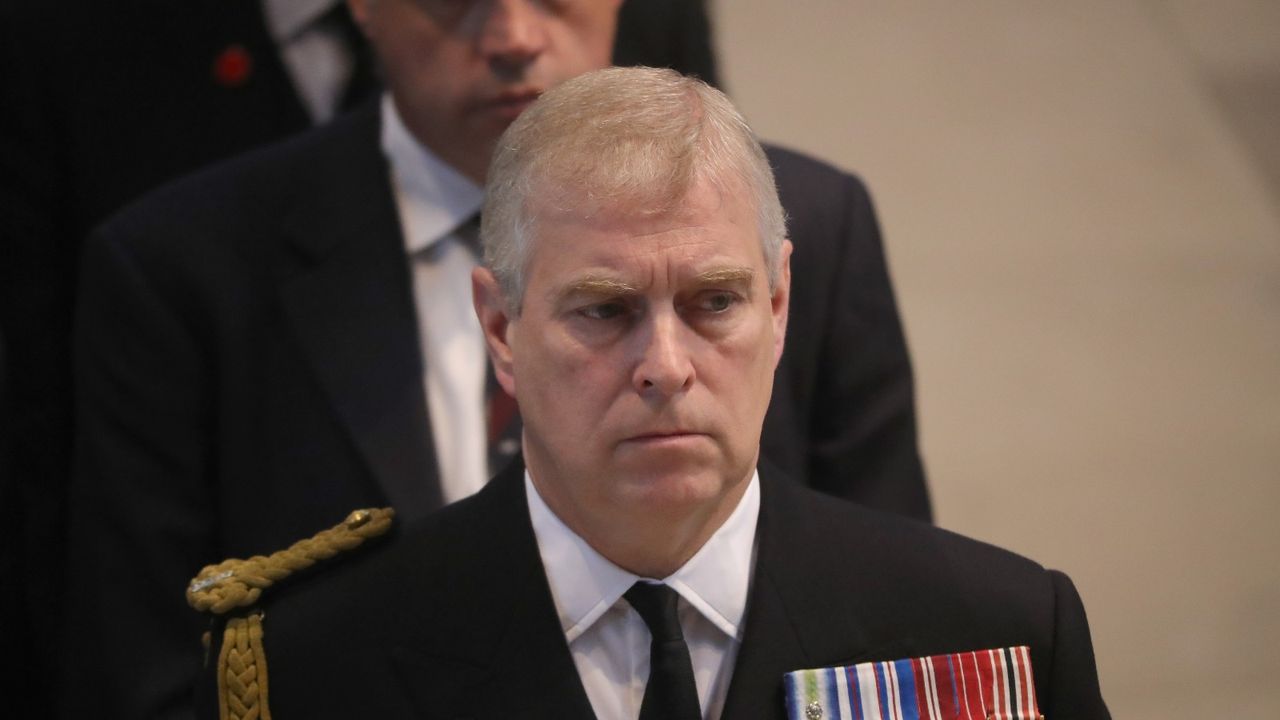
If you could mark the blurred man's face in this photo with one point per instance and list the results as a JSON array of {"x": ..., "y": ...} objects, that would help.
[
  {"x": 461, "y": 70},
  {"x": 643, "y": 360}
]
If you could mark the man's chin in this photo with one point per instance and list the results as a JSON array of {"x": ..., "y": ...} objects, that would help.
[{"x": 674, "y": 482}]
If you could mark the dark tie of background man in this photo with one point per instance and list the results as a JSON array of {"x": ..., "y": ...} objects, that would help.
[{"x": 671, "y": 693}]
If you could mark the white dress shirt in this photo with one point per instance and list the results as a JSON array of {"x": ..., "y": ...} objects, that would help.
[
  {"x": 608, "y": 639},
  {"x": 433, "y": 200},
  {"x": 314, "y": 53}
]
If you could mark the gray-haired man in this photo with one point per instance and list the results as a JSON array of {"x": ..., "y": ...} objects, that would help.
[{"x": 644, "y": 560}]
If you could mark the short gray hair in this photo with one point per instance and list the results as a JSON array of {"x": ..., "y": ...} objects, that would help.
[{"x": 633, "y": 137}]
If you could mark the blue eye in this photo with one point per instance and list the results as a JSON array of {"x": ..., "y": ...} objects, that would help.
[{"x": 717, "y": 302}]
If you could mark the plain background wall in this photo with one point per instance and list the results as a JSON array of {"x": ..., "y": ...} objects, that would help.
[{"x": 1081, "y": 205}]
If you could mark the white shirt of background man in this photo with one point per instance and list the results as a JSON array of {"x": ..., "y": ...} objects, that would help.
[{"x": 433, "y": 200}]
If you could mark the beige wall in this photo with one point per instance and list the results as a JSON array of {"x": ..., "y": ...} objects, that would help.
[{"x": 1082, "y": 211}]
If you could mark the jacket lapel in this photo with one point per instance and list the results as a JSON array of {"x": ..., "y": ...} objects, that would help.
[
  {"x": 516, "y": 663},
  {"x": 790, "y": 624},
  {"x": 530, "y": 673},
  {"x": 770, "y": 647},
  {"x": 533, "y": 674},
  {"x": 346, "y": 291}
]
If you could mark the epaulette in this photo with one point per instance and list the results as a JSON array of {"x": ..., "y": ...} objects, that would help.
[{"x": 238, "y": 584}]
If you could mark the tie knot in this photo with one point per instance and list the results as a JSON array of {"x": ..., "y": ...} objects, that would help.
[{"x": 656, "y": 604}]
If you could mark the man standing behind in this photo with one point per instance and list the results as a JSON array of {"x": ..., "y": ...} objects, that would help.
[
  {"x": 267, "y": 344},
  {"x": 646, "y": 561}
]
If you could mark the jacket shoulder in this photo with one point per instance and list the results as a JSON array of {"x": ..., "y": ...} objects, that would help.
[
  {"x": 458, "y": 562},
  {"x": 905, "y": 589},
  {"x": 913, "y": 549},
  {"x": 233, "y": 591},
  {"x": 899, "y": 579},
  {"x": 799, "y": 175},
  {"x": 257, "y": 185},
  {"x": 239, "y": 583}
]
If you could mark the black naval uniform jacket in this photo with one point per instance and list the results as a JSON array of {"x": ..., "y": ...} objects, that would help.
[
  {"x": 455, "y": 618},
  {"x": 248, "y": 370}
]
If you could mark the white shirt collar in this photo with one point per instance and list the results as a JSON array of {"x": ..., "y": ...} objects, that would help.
[
  {"x": 584, "y": 584},
  {"x": 433, "y": 198},
  {"x": 287, "y": 18}
]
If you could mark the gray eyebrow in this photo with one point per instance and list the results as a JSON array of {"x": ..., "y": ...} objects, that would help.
[
  {"x": 726, "y": 275},
  {"x": 605, "y": 285},
  {"x": 598, "y": 286}
]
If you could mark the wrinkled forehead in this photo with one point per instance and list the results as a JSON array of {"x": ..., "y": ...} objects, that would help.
[
  {"x": 566, "y": 199},
  {"x": 704, "y": 229}
]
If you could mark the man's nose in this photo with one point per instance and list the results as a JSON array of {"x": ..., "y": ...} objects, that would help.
[
  {"x": 513, "y": 35},
  {"x": 665, "y": 366}
]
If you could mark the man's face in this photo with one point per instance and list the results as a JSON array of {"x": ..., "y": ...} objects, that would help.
[
  {"x": 643, "y": 359},
  {"x": 461, "y": 70}
]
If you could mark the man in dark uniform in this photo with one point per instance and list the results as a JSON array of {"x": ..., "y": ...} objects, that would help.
[
  {"x": 645, "y": 560},
  {"x": 267, "y": 344}
]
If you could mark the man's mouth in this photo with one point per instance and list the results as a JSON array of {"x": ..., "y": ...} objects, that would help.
[{"x": 665, "y": 437}]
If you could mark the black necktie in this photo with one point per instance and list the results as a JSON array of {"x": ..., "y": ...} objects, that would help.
[{"x": 671, "y": 693}]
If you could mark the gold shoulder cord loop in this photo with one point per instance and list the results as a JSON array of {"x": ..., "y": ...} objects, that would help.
[
  {"x": 242, "y": 671},
  {"x": 232, "y": 584}
]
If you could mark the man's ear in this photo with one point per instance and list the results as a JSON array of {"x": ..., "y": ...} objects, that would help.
[
  {"x": 781, "y": 300},
  {"x": 495, "y": 322}
]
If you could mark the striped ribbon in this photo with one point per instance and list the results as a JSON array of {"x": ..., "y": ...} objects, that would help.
[{"x": 977, "y": 685}]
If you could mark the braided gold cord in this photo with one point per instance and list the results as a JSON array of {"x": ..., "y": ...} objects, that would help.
[
  {"x": 238, "y": 583},
  {"x": 242, "y": 671}
]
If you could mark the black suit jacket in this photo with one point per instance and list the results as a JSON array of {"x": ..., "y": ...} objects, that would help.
[
  {"x": 249, "y": 370},
  {"x": 455, "y": 619}
]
